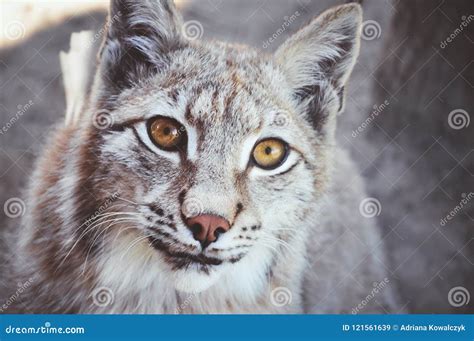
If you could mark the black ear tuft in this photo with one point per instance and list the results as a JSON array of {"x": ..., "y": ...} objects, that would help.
[
  {"x": 140, "y": 35},
  {"x": 319, "y": 58}
]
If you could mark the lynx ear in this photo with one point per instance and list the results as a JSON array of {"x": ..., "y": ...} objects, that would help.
[
  {"x": 140, "y": 34},
  {"x": 322, "y": 54}
]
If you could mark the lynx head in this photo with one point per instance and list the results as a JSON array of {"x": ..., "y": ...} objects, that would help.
[{"x": 218, "y": 152}]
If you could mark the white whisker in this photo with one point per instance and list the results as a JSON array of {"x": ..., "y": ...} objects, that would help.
[
  {"x": 112, "y": 222},
  {"x": 133, "y": 243},
  {"x": 87, "y": 230}
]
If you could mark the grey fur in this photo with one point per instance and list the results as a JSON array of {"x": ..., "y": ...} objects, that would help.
[{"x": 226, "y": 94}]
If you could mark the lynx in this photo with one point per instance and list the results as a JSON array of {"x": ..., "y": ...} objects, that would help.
[{"x": 204, "y": 177}]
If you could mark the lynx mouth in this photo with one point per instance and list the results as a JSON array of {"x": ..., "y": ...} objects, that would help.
[{"x": 181, "y": 259}]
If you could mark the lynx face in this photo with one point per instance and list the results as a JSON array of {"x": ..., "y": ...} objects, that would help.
[
  {"x": 241, "y": 153},
  {"x": 217, "y": 153}
]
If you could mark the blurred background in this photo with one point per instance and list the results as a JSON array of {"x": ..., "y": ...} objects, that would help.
[{"x": 407, "y": 119}]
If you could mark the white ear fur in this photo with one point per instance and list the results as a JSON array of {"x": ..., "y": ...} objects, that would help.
[
  {"x": 324, "y": 50},
  {"x": 76, "y": 68}
]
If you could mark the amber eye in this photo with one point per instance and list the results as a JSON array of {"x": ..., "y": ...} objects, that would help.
[
  {"x": 166, "y": 133},
  {"x": 270, "y": 153}
]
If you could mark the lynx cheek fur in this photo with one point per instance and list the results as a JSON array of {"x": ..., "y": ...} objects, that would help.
[{"x": 110, "y": 210}]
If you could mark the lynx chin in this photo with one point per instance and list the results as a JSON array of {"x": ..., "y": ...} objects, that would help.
[{"x": 200, "y": 177}]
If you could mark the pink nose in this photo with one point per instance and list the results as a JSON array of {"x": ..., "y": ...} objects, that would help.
[{"x": 206, "y": 228}]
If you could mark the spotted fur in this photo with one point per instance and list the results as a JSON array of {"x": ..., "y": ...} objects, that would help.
[{"x": 107, "y": 207}]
